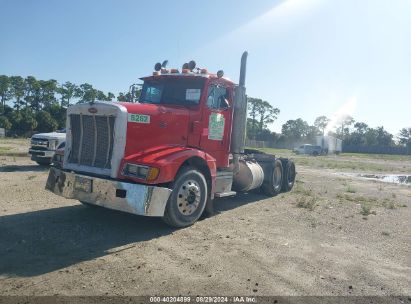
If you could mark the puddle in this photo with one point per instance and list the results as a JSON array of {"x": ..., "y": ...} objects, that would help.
[
  {"x": 387, "y": 178},
  {"x": 390, "y": 178}
]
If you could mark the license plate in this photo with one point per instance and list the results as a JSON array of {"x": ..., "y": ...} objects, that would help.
[{"x": 83, "y": 184}]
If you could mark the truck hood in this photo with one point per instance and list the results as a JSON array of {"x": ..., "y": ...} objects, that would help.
[
  {"x": 150, "y": 108},
  {"x": 151, "y": 125},
  {"x": 51, "y": 135}
]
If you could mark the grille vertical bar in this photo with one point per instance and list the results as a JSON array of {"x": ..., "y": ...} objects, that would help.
[
  {"x": 95, "y": 139},
  {"x": 92, "y": 140},
  {"x": 75, "y": 138}
]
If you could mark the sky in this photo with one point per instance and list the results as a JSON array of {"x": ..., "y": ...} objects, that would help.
[{"x": 306, "y": 57}]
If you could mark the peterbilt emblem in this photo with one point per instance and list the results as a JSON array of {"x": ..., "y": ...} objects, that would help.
[{"x": 92, "y": 110}]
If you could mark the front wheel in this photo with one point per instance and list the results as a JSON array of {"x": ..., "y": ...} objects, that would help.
[
  {"x": 188, "y": 199},
  {"x": 88, "y": 204},
  {"x": 43, "y": 161}
]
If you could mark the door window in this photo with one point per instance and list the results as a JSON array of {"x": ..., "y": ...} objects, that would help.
[{"x": 217, "y": 97}]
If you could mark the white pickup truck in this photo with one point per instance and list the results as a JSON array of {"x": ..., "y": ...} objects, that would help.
[
  {"x": 308, "y": 149},
  {"x": 44, "y": 145}
]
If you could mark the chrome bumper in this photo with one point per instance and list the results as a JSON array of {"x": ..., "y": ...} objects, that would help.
[{"x": 132, "y": 198}]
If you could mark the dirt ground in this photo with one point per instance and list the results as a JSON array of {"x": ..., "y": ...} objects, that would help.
[{"x": 331, "y": 235}]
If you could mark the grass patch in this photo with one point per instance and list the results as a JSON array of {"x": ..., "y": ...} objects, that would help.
[
  {"x": 340, "y": 196},
  {"x": 299, "y": 188},
  {"x": 366, "y": 209},
  {"x": 9, "y": 151},
  {"x": 31, "y": 177},
  {"x": 377, "y": 156},
  {"x": 16, "y": 141},
  {"x": 277, "y": 152},
  {"x": 351, "y": 190},
  {"x": 13, "y": 146},
  {"x": 14, "y": 153},
  {"x": 388, "y": 204},
  {"x": 344, "y": 161},
  {"x": 306, "y": 202}
]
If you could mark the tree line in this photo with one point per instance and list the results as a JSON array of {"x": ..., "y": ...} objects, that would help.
[
  {"x": 29, "y": 104},
  {"x": 356, "y": 133}
]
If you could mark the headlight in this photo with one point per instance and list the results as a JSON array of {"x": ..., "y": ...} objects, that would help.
[
  {"x": 52, "y": 144},
  {"x": 139, "y": 171}
]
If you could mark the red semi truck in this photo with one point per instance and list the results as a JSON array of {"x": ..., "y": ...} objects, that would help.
[{"x": 172, "y": 153}]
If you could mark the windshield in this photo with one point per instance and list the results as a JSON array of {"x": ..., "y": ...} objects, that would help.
[{"x": 178, "y": 91}]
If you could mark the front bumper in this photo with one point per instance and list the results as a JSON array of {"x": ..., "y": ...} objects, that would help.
[
  {"x": 132, "y": 198},
  {"x": 41, "y": 153}
]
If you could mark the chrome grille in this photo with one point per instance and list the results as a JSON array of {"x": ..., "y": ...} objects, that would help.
[
  {"x": 39, "y": 142},
  {"x": 92, "y": 140}
]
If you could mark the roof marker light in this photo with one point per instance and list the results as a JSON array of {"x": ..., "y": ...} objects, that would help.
[
  {"x": 157, "y": 66},
  {"x": 191, "y": 65}
]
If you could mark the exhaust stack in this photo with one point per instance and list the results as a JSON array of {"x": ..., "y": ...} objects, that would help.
[{"x": 238, "y": 132}]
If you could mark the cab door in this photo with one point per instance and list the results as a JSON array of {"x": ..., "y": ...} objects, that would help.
[{"x": 217, "y": 117}]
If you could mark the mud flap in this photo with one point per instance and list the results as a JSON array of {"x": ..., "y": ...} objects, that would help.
[{"x": 209, "y": 208}]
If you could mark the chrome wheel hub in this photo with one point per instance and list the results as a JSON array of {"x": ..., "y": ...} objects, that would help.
[{"x": 188, "y": 197}]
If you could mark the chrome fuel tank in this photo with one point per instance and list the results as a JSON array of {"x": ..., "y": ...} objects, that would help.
[{"x": 250, "y": 176}]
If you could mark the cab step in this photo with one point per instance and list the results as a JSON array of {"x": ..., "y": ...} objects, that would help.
[{"x": 225, "y": 194}]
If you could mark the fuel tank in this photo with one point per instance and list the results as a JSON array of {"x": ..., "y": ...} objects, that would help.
[{"x": 249, "y": 176}]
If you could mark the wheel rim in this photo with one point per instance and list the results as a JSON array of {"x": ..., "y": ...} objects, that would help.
[
  {"x": 188, "y": 197},
  {"x": 277, "y": 177}
]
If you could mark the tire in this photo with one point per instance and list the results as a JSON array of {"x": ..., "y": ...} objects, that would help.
[
  {"x": 88, "y": 205},
  {"x": 273, "y": 184},
  {"x": 43, "y": 161},
  {"x": 315, "y": 153},
  {"x": 188, "y": 199},
  {"x": 289, "y": 176}
]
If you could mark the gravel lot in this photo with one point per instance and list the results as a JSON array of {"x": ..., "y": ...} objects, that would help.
[{"x": 331, "y": 235}]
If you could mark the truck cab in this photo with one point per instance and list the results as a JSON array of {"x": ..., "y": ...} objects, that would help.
[
  {"x": 170, "y": 154},
  {"x": 44, "y": 145}
]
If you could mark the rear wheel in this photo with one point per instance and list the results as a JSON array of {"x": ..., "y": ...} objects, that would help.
[
  {"x": 43, "y": 161},
  {"x": 88, "y": 204},
  {"x": 273, "y": 184},
  {"x": 289, "y": 176},
  {"x": 188, "y": 199}
]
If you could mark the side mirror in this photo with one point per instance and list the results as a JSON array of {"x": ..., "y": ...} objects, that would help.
[{"x": 225, "y": 105}]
